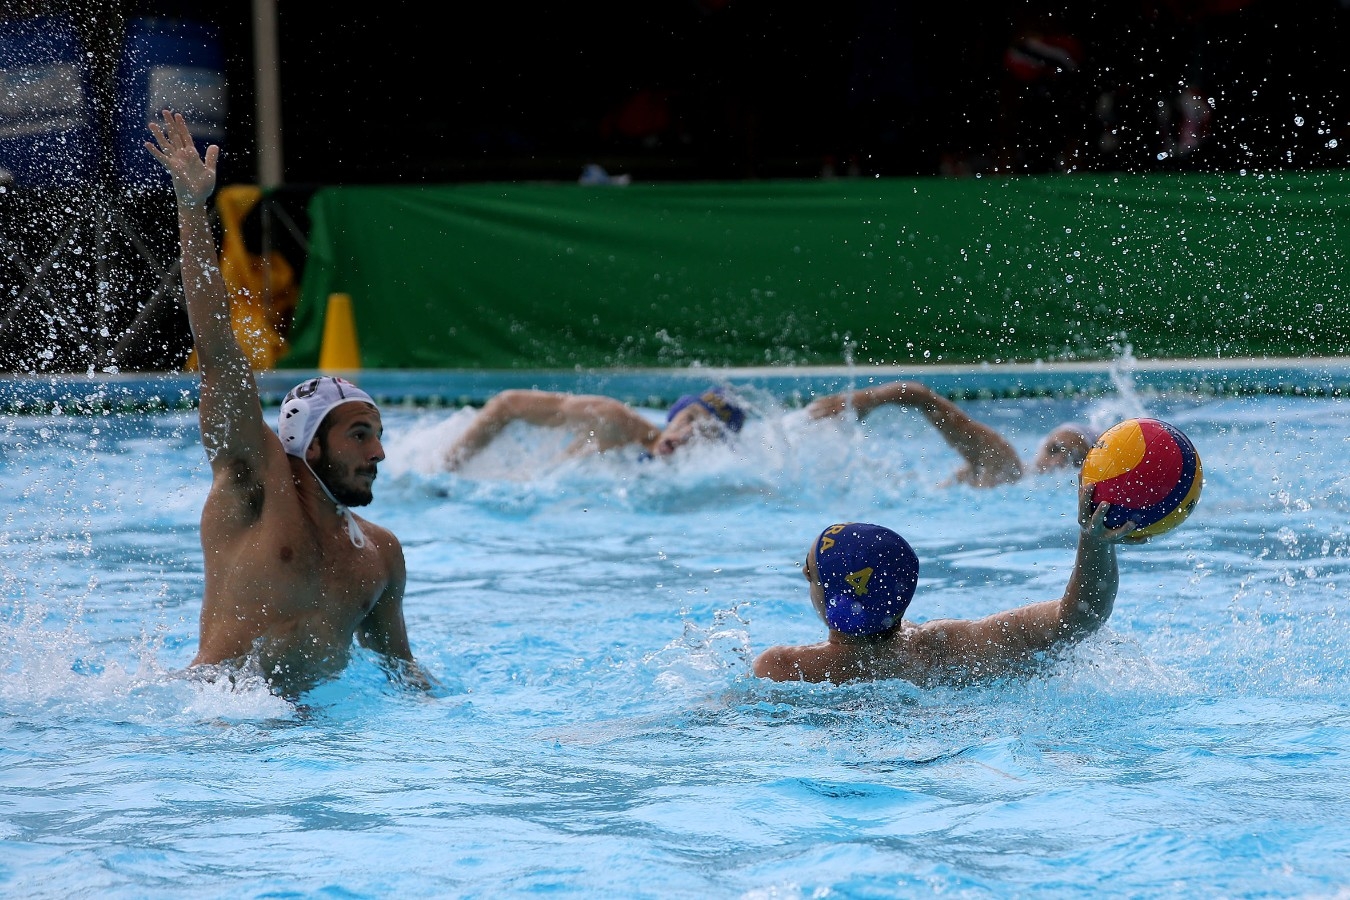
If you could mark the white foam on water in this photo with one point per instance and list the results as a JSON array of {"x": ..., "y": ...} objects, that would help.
[
  {"x": 65, "y": 673},
  {"x": 780, "y": 454}
]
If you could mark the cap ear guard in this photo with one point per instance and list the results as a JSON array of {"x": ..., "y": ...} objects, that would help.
[{"x": 294, "y": 418}]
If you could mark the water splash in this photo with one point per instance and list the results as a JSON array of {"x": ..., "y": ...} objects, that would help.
[
  {"x": 704, "y": 656},
  {"x": 850, "y": 348},
  {"x": 781, "y": 455},
  {"x": 68, "y": 673},
  {"x": 1126, "y": 403}
]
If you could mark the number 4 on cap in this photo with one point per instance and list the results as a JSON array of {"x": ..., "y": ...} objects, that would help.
[{"x": 859, "y": 580}]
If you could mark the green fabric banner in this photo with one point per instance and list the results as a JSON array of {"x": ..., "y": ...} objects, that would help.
[{"x": 887, "y": 271}]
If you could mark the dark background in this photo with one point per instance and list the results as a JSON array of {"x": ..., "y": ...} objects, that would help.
[
  {"x": 402, "y": 92},
  {"x": 680, "y": 89}
]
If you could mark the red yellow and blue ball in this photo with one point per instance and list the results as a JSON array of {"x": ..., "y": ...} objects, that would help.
[{"x": 1148, "y": 471}]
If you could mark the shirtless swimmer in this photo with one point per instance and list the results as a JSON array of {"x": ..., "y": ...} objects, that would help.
[
  {"x": 292, "y": 574},
  {"x": 863, "y": 576},
  {"x": 600, "y": 423},
  {"x": 989, "y": 460}
]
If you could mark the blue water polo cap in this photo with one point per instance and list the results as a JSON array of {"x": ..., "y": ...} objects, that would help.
[
  {"x": 869, "y": 574},
  {"x": 307, "y": 403},
  {"x": 716, "y": 401}
]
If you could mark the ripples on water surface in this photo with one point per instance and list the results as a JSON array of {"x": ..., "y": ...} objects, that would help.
[{"x": 592, "y": 622}]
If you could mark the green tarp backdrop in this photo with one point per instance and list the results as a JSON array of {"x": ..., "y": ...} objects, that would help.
[{"x": 885, "y": 271}]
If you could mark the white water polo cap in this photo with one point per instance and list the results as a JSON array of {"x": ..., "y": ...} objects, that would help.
[{"x": 307, "y": 403}]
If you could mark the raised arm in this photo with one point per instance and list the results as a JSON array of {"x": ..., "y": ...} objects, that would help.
[
  {"x": 996, "y": 642},
  {"x": 990, "y": 459},
  {"x": 605, "y": 421},
  {"x": 231, "y": 415}
]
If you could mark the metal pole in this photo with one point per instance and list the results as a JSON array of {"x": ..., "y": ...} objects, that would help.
[{"x": 267, "y": 81}]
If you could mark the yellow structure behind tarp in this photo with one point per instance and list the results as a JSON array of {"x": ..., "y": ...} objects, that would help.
[
  {"x": 262, "y": 291},
  {"x": 340, "y": 350}
]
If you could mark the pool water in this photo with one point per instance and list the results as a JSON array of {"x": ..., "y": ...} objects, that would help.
[{"x": 598, "y": 732}]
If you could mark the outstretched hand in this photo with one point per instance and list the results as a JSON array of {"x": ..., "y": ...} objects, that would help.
[
  {"x": 830, "y": 405},
  {"x": 193, "y": 178},
  {"x": 1093, "y": 520}
]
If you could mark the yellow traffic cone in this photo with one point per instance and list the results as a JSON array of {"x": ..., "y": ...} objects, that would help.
[{"x": 339, "y": 351}]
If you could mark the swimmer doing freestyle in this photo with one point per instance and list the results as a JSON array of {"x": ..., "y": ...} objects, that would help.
[
  {"x": 990, "y": 460},
  {"x": 601, "y": 423},
  {"x": 292, "y": 574},
  {"x": 862, "y": 578}
]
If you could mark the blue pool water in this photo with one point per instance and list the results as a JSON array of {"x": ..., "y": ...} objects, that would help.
[{"x": 599, "y": 734}]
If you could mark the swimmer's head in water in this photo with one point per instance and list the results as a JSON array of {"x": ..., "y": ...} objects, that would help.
[
  {"x": 713, "y": 412},
  {"x": 717, "y": 402},
  {"x": 1064, "y": 447},
  {"x": 863, "y": 577},
  {"x": 304, "y": 409}
]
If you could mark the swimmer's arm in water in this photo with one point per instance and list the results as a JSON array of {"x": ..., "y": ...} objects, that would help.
[
  {"x": 384, "y": 631},
  {"x": 1006, "y": 638},
  {"x": 231, "y": 415},
  {"x": 603, "y": 423},
  {"x": 991, "y": 459},
  {"x": 610, "y": 422}
]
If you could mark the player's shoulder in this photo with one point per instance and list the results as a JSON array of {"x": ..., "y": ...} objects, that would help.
[
  {"x": 931, "y": 641},
  {"x": 791, "y": 663},
  {"x": 385, "y": 541}
]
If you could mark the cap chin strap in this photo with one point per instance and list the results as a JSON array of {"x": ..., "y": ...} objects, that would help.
[{"x": 354, "y": 532}]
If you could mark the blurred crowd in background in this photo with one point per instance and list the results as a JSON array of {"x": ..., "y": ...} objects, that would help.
[
  {"x": 757, "y": 88},
  {"x": 683, "y": 89}
]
